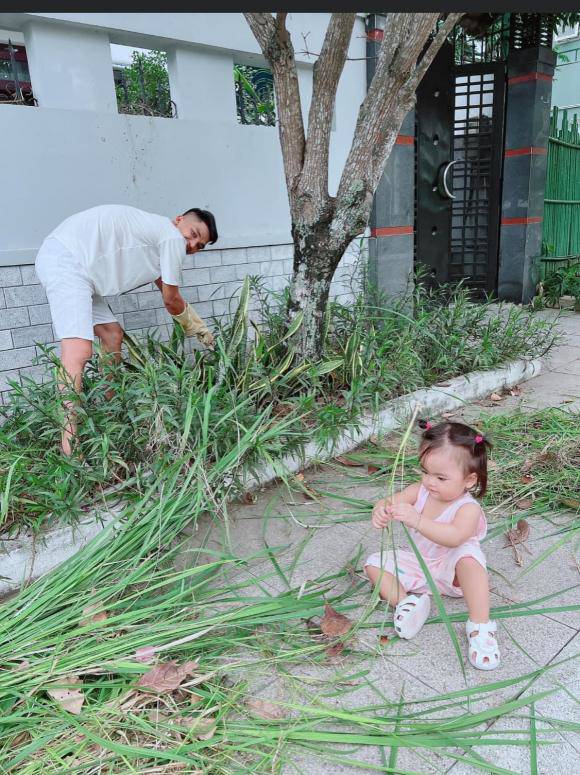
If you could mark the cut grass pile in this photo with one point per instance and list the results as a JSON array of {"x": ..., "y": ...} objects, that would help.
[
  {"x": 117, "y": 662},
  {"x": 127, "y": 440}
]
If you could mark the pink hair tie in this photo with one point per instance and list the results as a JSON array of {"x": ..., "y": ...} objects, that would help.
[
  {"x": 478, "y": 439},
  {"x": 428, "y": 425}
]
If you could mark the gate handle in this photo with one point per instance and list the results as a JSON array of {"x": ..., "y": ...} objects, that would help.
[{"x": 445, "y": 186}]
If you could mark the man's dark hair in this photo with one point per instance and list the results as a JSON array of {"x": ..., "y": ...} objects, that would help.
[{"x": 208, "y": 219}]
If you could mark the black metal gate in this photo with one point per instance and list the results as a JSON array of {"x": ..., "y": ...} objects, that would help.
[
  {"x": 460, "y": 122},
  {"x": 460, "y": 115},
  {"x": 472, "y": 179}
]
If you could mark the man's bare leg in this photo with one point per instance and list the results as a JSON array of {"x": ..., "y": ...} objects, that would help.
[
  {"x": 111, "y": 336},
  {"x": 74, "y": 353}
]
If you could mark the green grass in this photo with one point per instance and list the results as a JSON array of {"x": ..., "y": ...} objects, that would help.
[
  {"x": 372, "y": 352},
  {"x": 218, "y": 610}
]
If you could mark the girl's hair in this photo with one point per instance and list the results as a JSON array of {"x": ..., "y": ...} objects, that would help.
[{"x": 471, "y": 443}]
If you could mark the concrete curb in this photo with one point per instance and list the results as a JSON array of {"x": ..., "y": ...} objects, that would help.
[{"x": 24, "y": 559}]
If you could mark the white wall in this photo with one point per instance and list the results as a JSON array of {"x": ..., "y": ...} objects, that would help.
[{"x": 75, "y": 151}]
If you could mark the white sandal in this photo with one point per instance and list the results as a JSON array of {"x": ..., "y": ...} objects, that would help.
[
  {"x": 411, "y": 614},
  {"x": 483, "y": 651}
]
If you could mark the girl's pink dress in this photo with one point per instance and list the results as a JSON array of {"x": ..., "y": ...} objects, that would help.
[{"x": 440, "y": 560}]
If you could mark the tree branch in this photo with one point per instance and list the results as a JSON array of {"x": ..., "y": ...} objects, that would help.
[
  {"x": 326, "y": 75},
  {"x": 384, "y": 144},
  {"x": 439, "y": 39},
  {"x": 389, "y": 98},
  {"x": 274, "y": 40}
]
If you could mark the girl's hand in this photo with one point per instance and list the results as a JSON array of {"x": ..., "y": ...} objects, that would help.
[
  {"x": 381, "y": 514},
  {"x": 405, "y": 513}
]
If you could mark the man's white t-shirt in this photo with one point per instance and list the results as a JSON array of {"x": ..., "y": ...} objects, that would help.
[{"x": 122, "y": 248}]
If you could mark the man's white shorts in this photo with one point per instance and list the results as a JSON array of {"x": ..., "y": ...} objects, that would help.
[{"x": 74, "y": 306}]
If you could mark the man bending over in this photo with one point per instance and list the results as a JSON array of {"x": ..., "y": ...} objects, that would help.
[{"x": 108, "y": 250}]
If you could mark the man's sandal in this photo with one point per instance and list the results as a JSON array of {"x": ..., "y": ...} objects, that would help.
[
  {"x": 483, "y": 651},
  {"x": 411, "y": 614}
]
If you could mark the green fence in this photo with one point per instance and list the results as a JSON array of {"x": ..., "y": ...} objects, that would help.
[{"x": 561, "y": 231}]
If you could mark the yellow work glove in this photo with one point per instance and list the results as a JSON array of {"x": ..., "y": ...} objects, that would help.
[{"x": 193, "y": 325}]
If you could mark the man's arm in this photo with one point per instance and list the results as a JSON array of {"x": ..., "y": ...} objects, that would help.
[
  {"x": 172, "y": 299},
  {"x": 184, "y": 314}
]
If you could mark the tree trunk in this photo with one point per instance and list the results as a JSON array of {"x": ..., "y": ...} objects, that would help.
[
  {"x": 314, "y": 267},
  {"x": 324, "y": 226}
]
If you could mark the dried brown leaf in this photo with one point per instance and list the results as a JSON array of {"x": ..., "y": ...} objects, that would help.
[
  {"x": 372, "y": 469},
  {"x": 71, "y": 700},
  {"x": 516, "y": 390},
  {"x": 519, "y": 533},
  {"x": 335, "y": 650},
  {"x": 526, "y": 478},
  {"x": 20, "y": 739},
  {"x": 167, "y": 676},
  {"x": 348, "y": 461},
  {"x": 157, "y": 717},
  {"x": 384, "y": 639},
  {"x": 89, "y": 615},
  {"x": 248, "y": 498},
  {"x": 145, "y": 654},
  {"x": 524, "y": 503},
  {"x": 333, "y": 624},
  {"x": 308, "y": 492},
  {"x": 496, "y": 397},
  {"x": 265, "y": 709}
]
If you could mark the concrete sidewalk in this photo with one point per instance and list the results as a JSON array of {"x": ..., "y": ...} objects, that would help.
[
  {"x": 325, "y": 537},
  {"x": 559, "y": 382}
]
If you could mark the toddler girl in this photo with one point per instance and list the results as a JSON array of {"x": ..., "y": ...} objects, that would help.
[{"x": 446, "y": 524}]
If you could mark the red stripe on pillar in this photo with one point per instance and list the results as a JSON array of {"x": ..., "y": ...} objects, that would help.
[
  {"x": 518, "y": 221},
  {"x": 375, "y": 35},
  {"x": 391, "y": 231},
  {"x": 531, "y": 151},
  {"x": 529, "y": 77},
  {"x": 405, "y": 140}
]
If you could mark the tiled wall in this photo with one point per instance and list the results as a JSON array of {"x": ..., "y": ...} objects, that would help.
[{"x": 210, "y": 279}]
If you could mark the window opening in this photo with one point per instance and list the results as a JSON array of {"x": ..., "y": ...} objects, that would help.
[
  {"x": 142, "y": 82},
  {"x": 255, "y": 102},
  {"x": 15, "y": 85}
]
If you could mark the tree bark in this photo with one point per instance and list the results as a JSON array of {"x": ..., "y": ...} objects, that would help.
[{"x": 324, "y": 226}]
